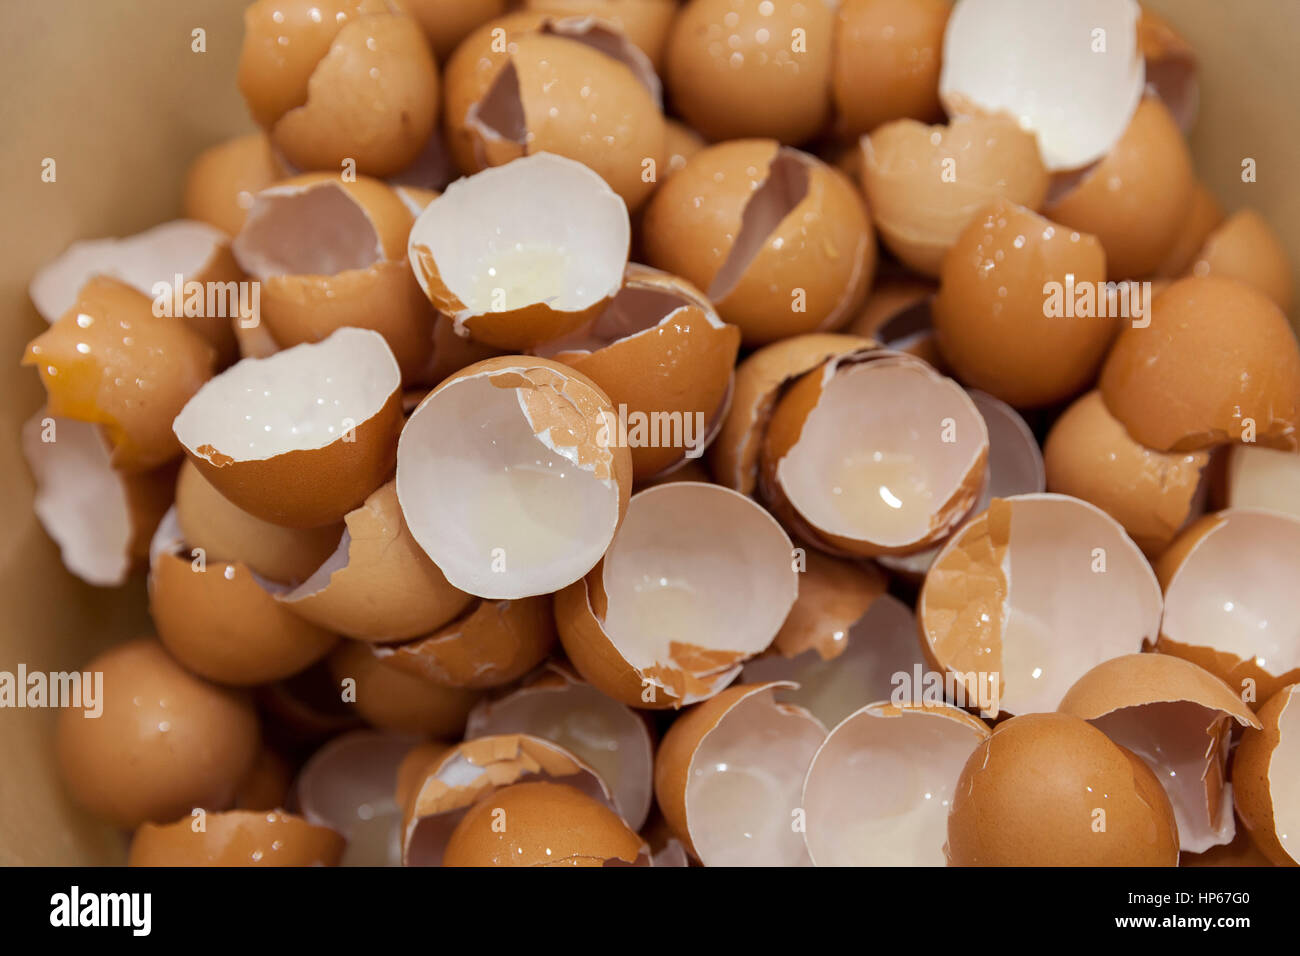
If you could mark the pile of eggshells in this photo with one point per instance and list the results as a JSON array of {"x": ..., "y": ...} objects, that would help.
[{"x": 620, "y": 471}]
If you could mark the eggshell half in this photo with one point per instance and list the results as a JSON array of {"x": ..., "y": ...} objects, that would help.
[
  {"x": 734, "y": 455},
  {"x": 393, "y": 700},
  {"x": 698, "y": 579},
  {"x": 924, "y": 184},
  {"x": 1178, "y": 718},
  {"x": 1051, "y": 790},
  {"x": 164, "y": 741},
  {"x": 476, "y": 770},
  {"x": 247, "y": 436},
  {"x": 378, "y": 584},
  {"x": 1157, "y": 381},
  {"x": 779, "y": 241},
  {"x": 107, "y": 348},
  {"x": 877, "y": 791},
  {"x": 546, "y": 824},
  {"x": 1153, "y": 494},
  {"x": 1229, "y": 593},
  {"x": 508, "y": 478},
  {"x": 729, "y": 774},
  {"x": 1032, "y": 594},
  {"x": 1246, "y": 248},
  {"x": 222, "y": 181}
]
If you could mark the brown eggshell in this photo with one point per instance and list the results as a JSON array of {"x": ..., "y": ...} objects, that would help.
[
  {"x": 495, "y": 643},
  {"x": 681, "y": 365},
  {"x": 1258, "y": 547},
  {"x": 370, "y": 93},
  {"x": 550, "y": 187},
  {"x": 616, "y": 741},
  {"x": 789, "y": 424},
  {"x": 390, "y": 699},
  {"x": 546, "y": 824},
  {"x": 226, "y": 533},
  {"x": 1135, "y": 200},
  {"x": 1034, "y": 794},
  {"x": 734, "y": 70},
  {"x": 1157, "y": 381},
  {"x": 779, "y": 241},
  {"x": 674, "y": 761},
  {"x": 1246, "y": 248},
  {"x": 1153, "y": 494},
  {"x": 439, "y": 791},
  {"x": 95, "y": 359},
  {"x": 237, "y": 838},
  {"x": 561, "y": 409},
  {"x": 577, "y": 102},
  {"x": 222, "y": 181},
  {"x": 1169, "y": 712},
  {"x": 734, "y": 455},
  {"x": 1264, "y": 778},
  {"x": 301, "y": 488},
  {"x": 886, "y": 62},
  {"x": 222, "y": 625},
  {"x": 166, "y": 741},
  {"x": 989, "y": 315},
  {"x": 925, "y": 184},
  {"x": 378, "y": 585}
]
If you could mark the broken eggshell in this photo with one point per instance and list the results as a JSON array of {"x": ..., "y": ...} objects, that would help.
[
  {"x": 524, "y": 253},
  {"x": 377, "y": 584},
  {"x": 329, "y": 252},
  {"x": 101, "y": 519},
  {"x": 843, "y": 644},
  {"x": 919, "y": 201},
  {"x": 304, "y": 436},
  {"x": 1157, "y": 382},
  {"x": 1153, "y": 494},
  {"x": 339, "y": 80},
  {"x": 107, "y": 349},
  {"x": 161, "y": 263},
  {"x": 1230, "y": 595},
  {"x": 389, "y": 698},
  {"x": 493, "y": 643},
  {"x": 666, "y": 361},
  {"x": 760, "y": 378},
  {"x": 510, "y": 479},
  {"x": 1263, "y": 479},
  {"x": 1073, "y": 74},
  {"x": 215, "y": 617},
  {"x": 1052, "y": 790},
  {"x": 1030, "y": 595},
  {"x": 729, "y": 776},
  {"x": 1015, "y": 467},
  {"x": 879, "y": 787},
  {"x": 547, "y": 824},
  {"x": 222, "y": 180},
  {"x": 225, "y": 532},
  {"x": 778, "y": 240},
  {"x": 439, "y": 795},
  {"x": 1179, "y": 719},
  {"x": 873, "y": 453},
  {"x": 697, "y": 580},
  {"x": 610, "y": 737}
]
